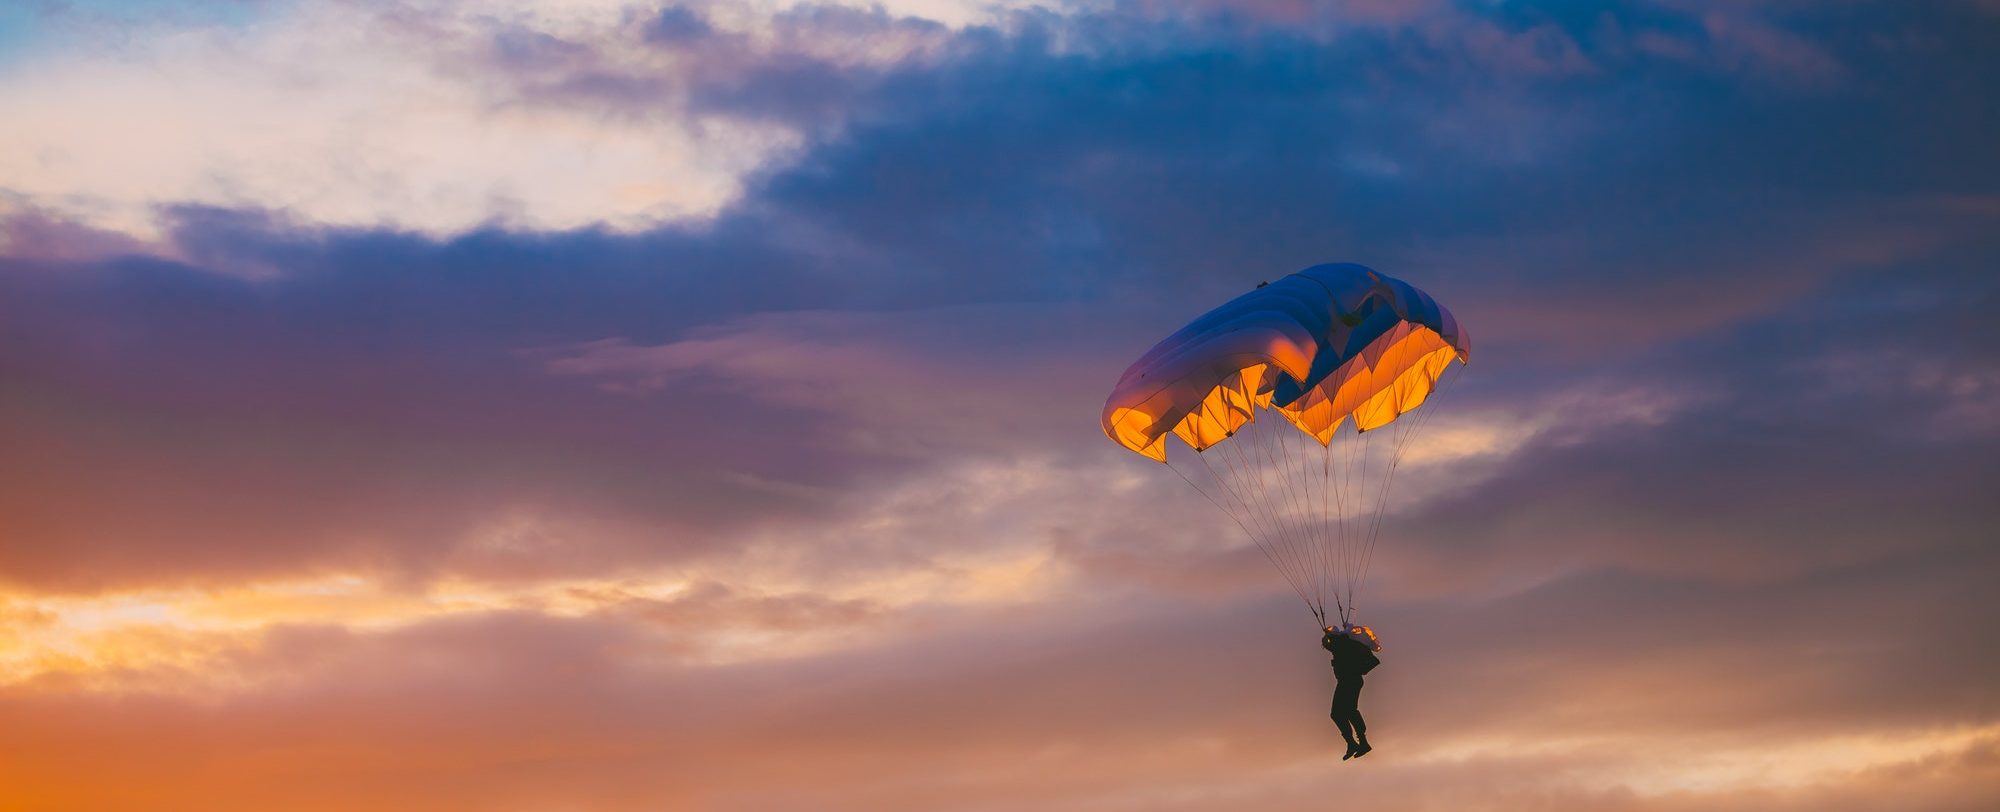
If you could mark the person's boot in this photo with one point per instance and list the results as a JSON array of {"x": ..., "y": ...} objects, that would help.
[
  {"x": 1357, "y": 750},
  {"x": 1350, "y": 751}
]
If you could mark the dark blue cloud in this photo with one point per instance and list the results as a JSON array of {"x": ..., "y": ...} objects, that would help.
[{"x": 678, "y": 25}]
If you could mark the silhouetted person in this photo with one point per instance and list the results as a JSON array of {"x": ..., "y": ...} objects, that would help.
[{"x": 1351, "y": 659}]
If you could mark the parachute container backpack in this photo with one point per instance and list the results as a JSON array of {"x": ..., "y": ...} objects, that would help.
[{"x": 1278, "y": 398}]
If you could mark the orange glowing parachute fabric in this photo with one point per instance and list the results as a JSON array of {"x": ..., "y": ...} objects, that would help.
[{"x": 1330, "y": 346}]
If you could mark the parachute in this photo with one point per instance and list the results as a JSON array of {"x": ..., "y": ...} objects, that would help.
[{"x": 1280, "y": 394}]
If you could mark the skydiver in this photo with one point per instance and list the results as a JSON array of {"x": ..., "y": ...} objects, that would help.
[{"x": 1351, "y": 659}]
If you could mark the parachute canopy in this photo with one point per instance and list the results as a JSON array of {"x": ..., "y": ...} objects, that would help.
[{"x": 1323, "y": 345}]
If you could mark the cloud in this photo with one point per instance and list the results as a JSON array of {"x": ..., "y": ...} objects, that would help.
[
  {"x": 1091, "y": 704},
  {"x": 797, "y": 498},
  {"x": 484, "y": 370},
  {"x": 360, "y": 115},
  {"x": 587, "y": 114}
]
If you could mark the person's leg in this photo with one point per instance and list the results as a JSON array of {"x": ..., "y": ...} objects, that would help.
[
  {"x": 1339, "y": 716},
  {"x": 1354, "y": 709},
  {"x": 1343, "y": 712},
  {"x": 1354, "y": 719}
]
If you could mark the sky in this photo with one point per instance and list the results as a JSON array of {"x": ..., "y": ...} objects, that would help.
[{"x": 591, "y": 405}]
